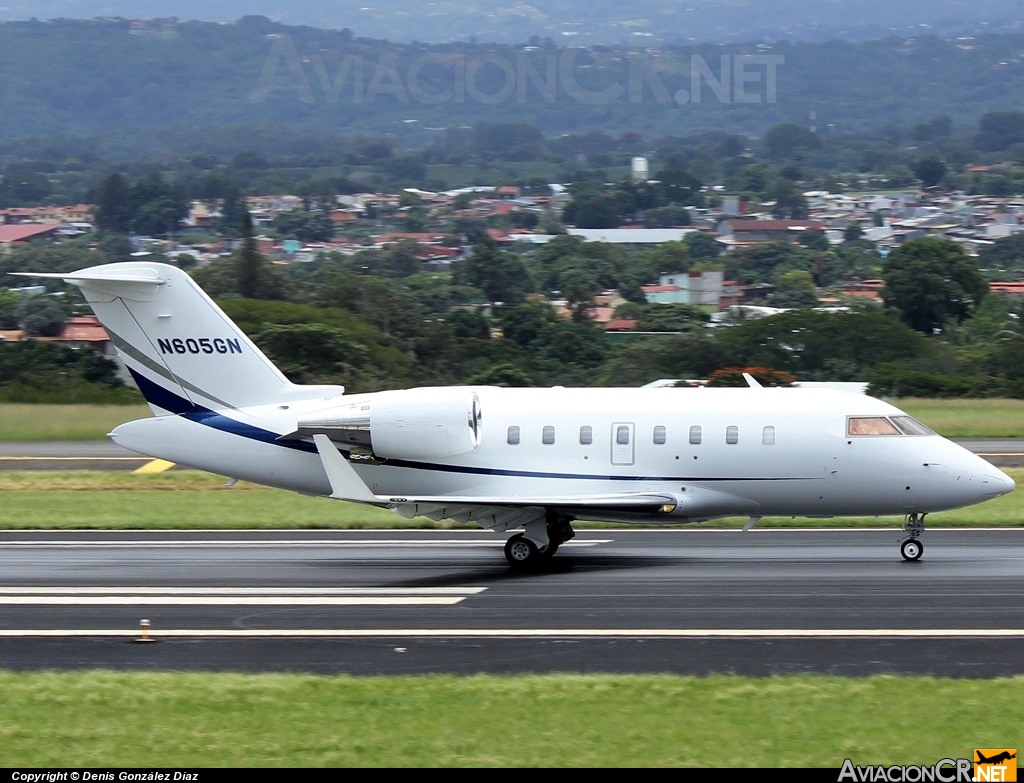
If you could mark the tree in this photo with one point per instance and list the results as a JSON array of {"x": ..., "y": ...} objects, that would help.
[
  {"x": 23, "y": 186},
  {"x": 929, "y": 170},
  {"x": 703, "y": 245},
  {"x": 114, "y": 209},
  {"x": 794, "y": 288},
  {"x": 819, "y": 346},
  {"x": 814, "y": 240},
  {"x": 1000, "y": 129},
  {"x": 1005, "y": 255},
  {"x": 250, "y": 261},
  {"x": 789, "y": 139},
  {"x": 669, "y": 318},
  {"x": 669, "y": 216},
  {"x": 245, "y": 273},
  {"x": 304, "y": 226},
  {"x": 670, "y": 257},
  {"x": 317, "y": 353},
  {"x": 790, "y": 201},
  {"x": 41, "y": 316},
  {"x": 931, "y": 281},
  {"x": 468, "y": 325},
  {"x": 525, "y": 324},
  {"x": 231, "y": 208},
  {"x": 678, "y": 187},
  {"x": 592, "y": 210},
  {"x": 10, "y": 301},
  {"x": 501, "y": 276}
]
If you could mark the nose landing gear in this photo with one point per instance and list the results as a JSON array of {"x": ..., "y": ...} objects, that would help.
[{"x": 911, "y": 546}]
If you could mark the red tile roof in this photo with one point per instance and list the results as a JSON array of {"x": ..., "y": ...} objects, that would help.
[
  {"x": 620, "y": 325},
  {"x": 19, "y": 232},
  {"x": 774, "y": 225},
  {"x": 78, "y": 329}
]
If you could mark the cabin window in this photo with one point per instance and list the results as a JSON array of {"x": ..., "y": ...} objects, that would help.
[
  {"x": 768, "y": 436},
  {"x": 513, "y": 435},
  {"x": 659, "y": 434},
  {"x": 547, "y": 435},
  {"x": 695, "y": 435},
  {"x": 622, "y": 435},
  {"x": 586, "y": 435},
  {"x": 732, "y": 434},
  {"x": 870, "y": 425}
]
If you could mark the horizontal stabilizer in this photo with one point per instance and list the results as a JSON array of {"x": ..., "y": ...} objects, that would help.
[{"x": 137, "y": 275}]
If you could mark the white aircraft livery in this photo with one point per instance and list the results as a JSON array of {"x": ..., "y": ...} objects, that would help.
[{"x": 511, "y": 459}]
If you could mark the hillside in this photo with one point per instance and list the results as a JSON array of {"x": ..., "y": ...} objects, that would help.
[
  {"x": 120, "y": 77},
  {"x": 575, "y": 21}
]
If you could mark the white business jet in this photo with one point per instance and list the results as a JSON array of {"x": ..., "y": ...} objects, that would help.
[{"x": 533, "y": 459}]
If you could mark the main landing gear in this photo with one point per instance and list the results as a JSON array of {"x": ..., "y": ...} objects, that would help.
[
  {"x": 911, "y": 547},
  {"x": 538, "y": 544}
]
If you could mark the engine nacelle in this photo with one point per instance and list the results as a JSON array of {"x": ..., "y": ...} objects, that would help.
[{"x": 424, "y": 423}]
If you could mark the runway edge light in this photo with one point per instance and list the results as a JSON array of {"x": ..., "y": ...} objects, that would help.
[{"x": 144, "y": 625}]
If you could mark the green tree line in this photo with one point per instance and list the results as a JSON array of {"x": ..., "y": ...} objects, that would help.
[{"x": 937, "y": 331}]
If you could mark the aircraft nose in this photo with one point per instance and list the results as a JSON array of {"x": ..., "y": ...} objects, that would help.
[{"x": 998, "y": 483}]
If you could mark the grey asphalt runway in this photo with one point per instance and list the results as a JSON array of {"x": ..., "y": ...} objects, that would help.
[{"x": 687, "y": 601}]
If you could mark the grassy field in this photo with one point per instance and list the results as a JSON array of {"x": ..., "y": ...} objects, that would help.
[
  {"x": 25, "y": 423},
  {"x": 188, "y": 499},
  {"x": 140, "y": 719},
  {"x": 998, "y": 418}
]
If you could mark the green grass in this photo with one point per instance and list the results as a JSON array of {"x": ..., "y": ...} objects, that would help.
[
  {"x": 24, "y": 422},
  {"x": 189, "y": 499},
  {"x": 995, "y": 418},
  {"x": 106, "y": 719}
]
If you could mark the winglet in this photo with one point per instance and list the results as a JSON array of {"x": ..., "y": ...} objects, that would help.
[
  {"x": 752, "y": 381},
  {"x": 345, "y": 482}
]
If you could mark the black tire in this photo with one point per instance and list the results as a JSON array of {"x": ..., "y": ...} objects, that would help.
[
  {"x": 548, "y": 553},
  {"x": 521, "y": 552},
  {"x": 911, "y": 550}
]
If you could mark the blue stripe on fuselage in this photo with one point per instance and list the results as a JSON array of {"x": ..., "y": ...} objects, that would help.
[{"x": 178, "y": 405}]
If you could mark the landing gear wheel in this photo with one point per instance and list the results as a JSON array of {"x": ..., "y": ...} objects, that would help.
[
  {"x": 911, "y": 549},
  {"x": 550, "y": 551},
  {"x": 521, "y": 552}
]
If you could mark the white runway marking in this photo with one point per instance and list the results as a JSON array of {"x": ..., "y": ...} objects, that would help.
[
  {"x": 240, "y": 596},
  {"x": 378, "y": 596},
  {"x": 241, "y": 590},
  {"x": 554, "y": 633}
]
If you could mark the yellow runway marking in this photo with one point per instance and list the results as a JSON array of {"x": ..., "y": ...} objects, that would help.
[{"x": 155, "y": 466}]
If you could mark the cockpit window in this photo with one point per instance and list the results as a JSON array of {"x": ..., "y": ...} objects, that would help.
[
  {"x": 870, "y": 425},
  {"x": 908, "y": 425},
  {"x": 880, "y": 425}
]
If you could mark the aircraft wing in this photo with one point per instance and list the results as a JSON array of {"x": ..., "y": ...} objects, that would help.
[{"x": 496, "y": 512}]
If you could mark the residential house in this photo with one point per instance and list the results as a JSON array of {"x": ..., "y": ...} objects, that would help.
[
  {"x": 697, "y": 287},
  {"x": 23, "y": 233},
  {"x": 740, "y": 231}
]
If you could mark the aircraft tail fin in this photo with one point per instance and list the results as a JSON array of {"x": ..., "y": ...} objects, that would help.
[{"x": 183, "y": 351}]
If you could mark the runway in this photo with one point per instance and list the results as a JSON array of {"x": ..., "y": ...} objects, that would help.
[{"x": 689, "y": 601}]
